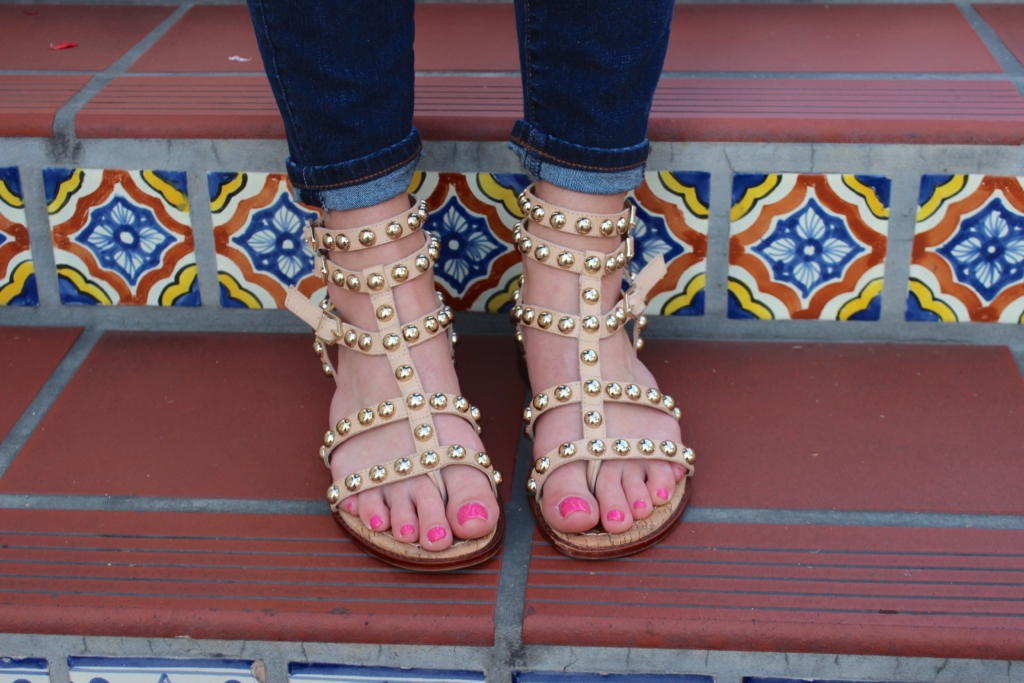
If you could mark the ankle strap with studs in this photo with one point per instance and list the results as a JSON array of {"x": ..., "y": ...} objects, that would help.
[
  {"x": 588, "y": 224},
  {"x": 403, "y": 224}
]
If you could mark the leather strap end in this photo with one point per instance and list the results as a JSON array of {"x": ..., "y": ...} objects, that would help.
[
  {"x": 645, "y": 280},
  {"x": 297, "y": 303}
]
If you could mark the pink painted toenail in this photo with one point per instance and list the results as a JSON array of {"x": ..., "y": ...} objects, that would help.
[
  {"x": 349, "y": 508},
  {"x": 615, "y": 516},
  {"x": 639, "y": 505},
  {"x": 407, "y": 529},
  {"x": 375, "y": 522},
  {"x": 436, "y": 534},
  {"x": 571, "y": 505},
  {"x": 472, "y": 511},
  {"x": 662, "y": 493}
]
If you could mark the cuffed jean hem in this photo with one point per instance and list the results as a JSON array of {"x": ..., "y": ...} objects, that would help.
[
  {"x": 361, "y": 182},
  {"x": 573, "y": 167}
]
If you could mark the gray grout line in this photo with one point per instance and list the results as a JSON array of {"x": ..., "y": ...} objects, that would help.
[
  {"x": 64, "y": 120},
  {"x": 930, "y": 520},
  {"x": 995, "y": 45},
  {"x": 202, "y": 235},
  {"x": 899, "y": 241},
  {"x": 46, "y": 397},
  {"x": 100, "y": 503}
]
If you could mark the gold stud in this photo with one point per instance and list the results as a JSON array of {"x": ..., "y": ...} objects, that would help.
[
  {"x": 593, "y": 419},
  {"x": 589, "y": 357},
  {"x": 353, "y": 283},
  {"x": 342, "y": 243},
  {"x": 525, "y": 244},
  {"x": 645, "y": 446},
  {"x": 540, "y": 401},
  {"x": 544, "y": 320},
  {"x": 391, "y": 342},
  {"x": 422, "y": 263},
  {"x": 528, "y": 315},
  {"x": 415, "y": 401},
  {"x": 524, "y": 201},
  {"x": 641, "y": 322},
  {"x": 411, "y": 333},
  {"x": 497, "y": 478},
  {"x": 653, "y": 395},
  {"x": 633, "y": 391},
  {"x": 612, "y": 323},
  {"x": 566, "y": 259},
  {"x": 365, "y": 342},
  {"x": 413, "y": 220},
  {"x": 438, "y": 401},
  {"x": 328, "y": 438},
  {"x": 338, "y": 278},
  {"x": 621, "y": 225},
  {"x": 527, "y": 414},
  {"x": 400, "y": 273},
  {"x": 403, "y": 373},
  {"x": 542, "y": 465},
  {"x": 456, "y": 452},
  {"x": 591, "y": 296},
  {"x": 461, "y": 404},
  {"x": 542, "y": 252},
  {"x": 537, "y": 213},
  {"x": 613, "y": 390},
  {"x": 592, "y": 264},
  {"x": 318, "y": 348},
  {"x": 621, "y": 446},
  {"x": 353, "y": 482},
  {"x": 378, "y": 474},
  {"x": 566, "y": 325},
  {"x": 422, "y": 212},
  {"x": 444, "y": 319},
  {"x": 583, "y": 226},
  {"x": 607, "y": 227},
  {"x": 343, "y": 427},
  {"x": 563, "y": 393},
  {"x": 620, "y": 315},
  {"x": 668, "y": 448},
  {"x": 639, "y": 343},
  {"x": 403, "y": 466},
  {"x": 474, "y": 413},
  {"x": 386, "y": 409},
  {"x": 385, "y": 313},
  {"x": 328, "y": 241},
  {"x": 394, "y": 230},
  {"x": 434, "y": 250},
  {"x": 677, "y": 413},
  {"x": 567, "y": 449},
  {"x": 483, "y": 460},
  {"x": 375, "y": 281},
  {"x": 689, "y": 456},
  {"x": 596, "y": 447},
  {"x": 429, "y": 459},
  {"x": 423, "y": 432},
  {"x": 430, "y": 324},
  {"x": 326, "y": 368},
  {"x": 620, "y": 259},
  {"x": 668, "y": 402},
  {"x": 531, "y": 485},
  {"x": 516, "y": 314},
  {"x": 350, "y": 338},
  {"x": 367, "y": 238},
  {"x": 333, "y": 494},
  {"x": 610, "y": 265},
  {"x": 557, "y": 220},
  {"x": 592, "y": 387}
]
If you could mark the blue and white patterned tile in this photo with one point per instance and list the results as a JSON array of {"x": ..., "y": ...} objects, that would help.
[
  {"x": 24, "y": 670},
  {"x": 122, "y": 237},
  {"x": 343, "y": 673},
  {"x": 257, "y": 229},
  {"x": 153, "y": 670},
  {"x": 17, "y": 272}
]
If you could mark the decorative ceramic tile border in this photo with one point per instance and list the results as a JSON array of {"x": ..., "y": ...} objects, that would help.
[
  {"x": 132, "y": 670},
  {"x": 257, "y": 230},
  {"x": 807, "y": 246},
  {"x": 968, "y": 256},
  {"x": 341, "y": 673},
  {"x": 583, "y": 677},
  {"x": 122, "y": 237},
  {"x": 27, "y": 670},
  {"x": 17, "y": 273}
]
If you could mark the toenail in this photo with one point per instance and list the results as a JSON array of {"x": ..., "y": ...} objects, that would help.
[
  {"x": 349, "y": 508},
  {"x": 375, "y": 522},
  {"x": 639, "y": 504},
  {"x": 571, "y": 505},
  {"x": 407, "y": 529},
  {"x": 615, "y": 516},
  {"x": 679, "y": 471},
  {"x": 436, "y": 534},
  {"x": 662, "y": 493},
  {"x": 472, "y": 511}
]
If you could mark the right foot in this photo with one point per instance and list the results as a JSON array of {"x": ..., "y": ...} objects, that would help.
[{"x": 412, "y": 509}]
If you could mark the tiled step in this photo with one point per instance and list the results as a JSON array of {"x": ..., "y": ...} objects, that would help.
[{"x": 28, "y": 356}]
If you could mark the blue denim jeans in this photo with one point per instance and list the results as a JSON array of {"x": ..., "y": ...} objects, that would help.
[{"x": 342, "y": 73}]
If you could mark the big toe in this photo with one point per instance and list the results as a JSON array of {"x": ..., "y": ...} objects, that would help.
[
  {"x": 472, "y": 508},
  {"x": 567, "y": 504}
]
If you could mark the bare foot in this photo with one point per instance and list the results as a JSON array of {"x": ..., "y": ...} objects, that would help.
[
  {"x": 412, "y": 509},
  {"x": 625, "y": 491}
]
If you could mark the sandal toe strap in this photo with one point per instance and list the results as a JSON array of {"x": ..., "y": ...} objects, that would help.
[{"x": 572, "y": 393}]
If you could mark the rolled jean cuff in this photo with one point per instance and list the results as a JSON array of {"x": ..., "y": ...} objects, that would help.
[
  {"x": 360, "y": 182},
  {"x": 592, "y": 170}
]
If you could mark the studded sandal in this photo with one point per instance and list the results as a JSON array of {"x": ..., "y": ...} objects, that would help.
[
  {"x": 592, "y": 391},
  {"x": 393, "y": 339}
]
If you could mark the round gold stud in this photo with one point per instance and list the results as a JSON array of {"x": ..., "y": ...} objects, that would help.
[
  {"x": 353, "y": 482},
  {"x": 343, "y": 427},
  {"x": 429, "y": 459},
  {"x": 338, "y": 278},
  {"x": 483, "y": 460},
  {"x": 423, "y": 432},
  {"x": 422, "y": 263},
  {"x": 645, "y": 446},
  {"x": 438, "y": 401},
  {"x": 497, "y": 478},
  {"x": 610, "y": 265},
  {"x": 621, "y": 226},
  {"x": 365, "y": 342},
  {"x": 318, "y": 348},
  {"x": 415, "y": 401},
  {"x": 400, "y": 273},
  {"x": 607, "y": 227},
  {"x": 461, "y": 404},
  {"x": 385, "y": 313},
  {"x": 378, "y": 474},
  {"x": 633, "y": 391},
  {"x": 411, "y": 333},
  {"x": 528, "y": 315},
  {"x": 386, "y": 409},
  {"x": 531, "y": 485},
  {"x": 403, "y": 373},
  {"x": 653, "y": 395},
  {"x": 525, "y": 244},
  {"x": 375, "y": 281},
  {"x": 537, "y": 213},
  {"x": 583, "y": 226},
  {"x": 350, "y": 338},
  {"x": 677, "y": 413},
  {"x": 540, "y": 401},
  {"x": 621, "y": 447},
  {"x": 668, "y": 448},
  {"x": 542, "y": 252},
  {"x": 591, "y": 296},
  {"x": 342, "y": 243},
  {"x": 612, "y": 323},
  {"x": 326, "y": 369},
  {"x": 456, "y": 452},
  {"x": 328, "y": 241},
  {"x": 431, "y": 325},
  {"x": 542, "y": 465},
  {"x": 516, "y": 314},
  {"x": 620, "y": 314},
  {"x": 620, "y": 259},
  {"x": 353, "y": 283},
  {"x": 566, "y": 259},
  {"x": 391, "y": 342},
  {"x": 423, "y": 213},
  {"x": 641, "y": 322},
  {"x": 563, "y": 393},
  {"x": 592, "y": 387},
  {"x": 566, "y": 325},
  {"x": 367, "y": 238},
  {"x": 613, "y": 390},
  {"x": 567, "y": 449},
  {"x": 593, "y": 419},
  {"x": 403, "y": 466},
  {"x": 589, "y": 357},
  {"x": 689, "y": 456},
  {"x": 394, "y": 230},
  {"x": 668, "y": 402},
  {"x": 596, "y": 447},
  {"x": 592, "y": 264},
  {"x": 333, "y": 494},
  {"x": 413, "y": 220},
  {"x": 474, "y": 413},
  {"x": 323, "y": 453},
  {"x": 544, "y": 320},
  {"x": 524, "y": 202},
  {"x": 557, "y": 220},
  {"x": 527, "y": 414},
  {"x": 328, "y": 438}
]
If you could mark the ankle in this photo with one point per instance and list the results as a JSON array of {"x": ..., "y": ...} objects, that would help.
[{"x": 576, "y": 201}]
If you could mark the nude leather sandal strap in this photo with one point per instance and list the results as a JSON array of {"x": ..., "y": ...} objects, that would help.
[
  {"x": 403, "y": 224},
  {"x": 588, "y": 224}
]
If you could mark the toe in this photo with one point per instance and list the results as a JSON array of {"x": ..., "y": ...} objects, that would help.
[
  {"x": 435, "y": 534},
  {"x": 404, "y": 523},
  {"x": 373, "y": 511},
  {"x": 661, "y": 481},
  {"x": 567, "y": 504},
  {"x": 472, "y": 509},
  {"x": 637, "y": 495},
  {"x": 351, "y": 505},
  {"x": 615, "y": 510}
]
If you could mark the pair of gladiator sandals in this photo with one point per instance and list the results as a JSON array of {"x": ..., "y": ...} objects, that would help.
[{"x": 591, "y": 391}]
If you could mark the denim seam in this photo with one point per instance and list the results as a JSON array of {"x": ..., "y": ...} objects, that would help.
[
  {"x": 285, "y": 100},
  {"x": 561, "y": 162},
  {"x": 364, "y": 179}
]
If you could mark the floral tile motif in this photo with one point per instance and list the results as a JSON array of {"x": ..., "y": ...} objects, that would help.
[
  {"x": 808, "y": 246},
  {"x": 122, "y": 237},
  {"x": 257, "y": 232},
  {"x": 968, "y": 256},
  {"x": 301, "y": 672},
  {"x": 132, "y": 670},
  {"x": 17, "y": 274},
  {"x": 24, "y": 670}
]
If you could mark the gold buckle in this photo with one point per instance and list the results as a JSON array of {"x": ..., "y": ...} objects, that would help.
[
  {"x": 632, "y": 215},
  {"x": 335, "y": 330},
  {"x": 629, "y": 247}
]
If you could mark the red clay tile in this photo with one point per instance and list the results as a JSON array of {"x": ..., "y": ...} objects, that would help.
[
  {"x": 203, "y": 40},
  {"x": 838, "y": 590},
  {"x": 849, "y": 427},
  {"x": 28, "y": 356},
  {"x": 28, "y": 103},
  {"x": 219, "y": 416},
  {"x": 226, "y": 576},
  {"x": 1008, "y": 23},
  {"x": 466, "y": 37},
  {"x": 918, "y": 38},
  {"x": 103, "y": 33}
]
